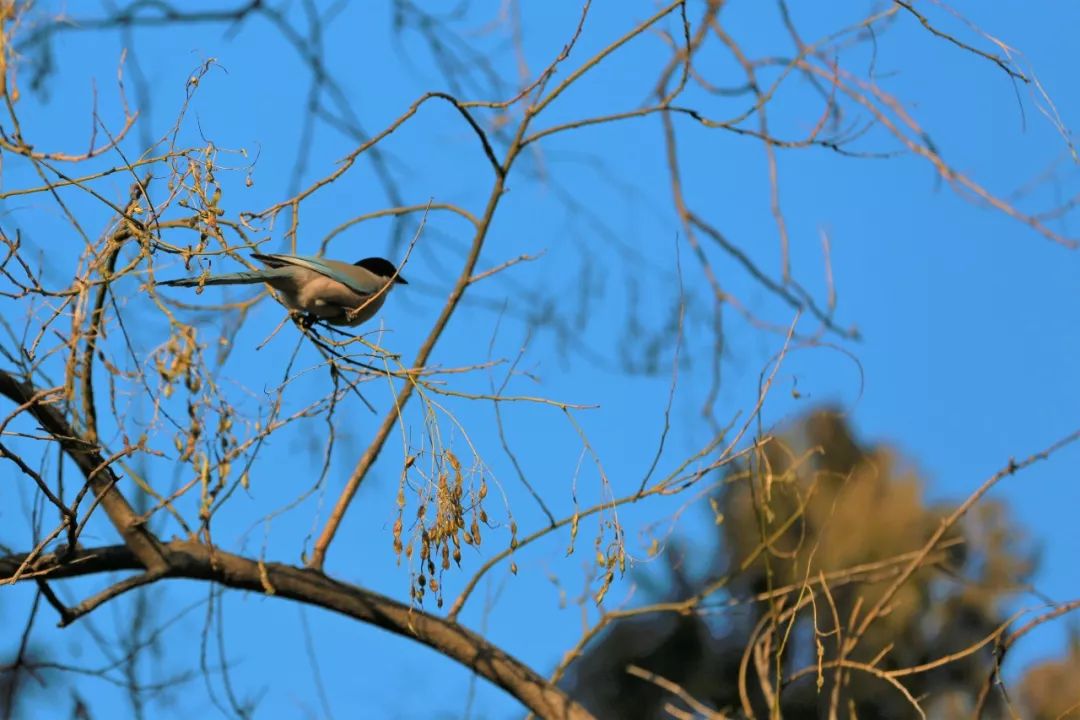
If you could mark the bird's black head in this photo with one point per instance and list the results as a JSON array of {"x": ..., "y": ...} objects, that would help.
[{"x": 381, "y": 267}]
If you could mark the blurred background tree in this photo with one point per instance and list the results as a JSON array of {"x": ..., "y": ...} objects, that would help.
[{"x": 837, "y": 514}]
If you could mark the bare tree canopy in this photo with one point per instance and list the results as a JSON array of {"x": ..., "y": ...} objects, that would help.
[{"x": 733, "y": 377}]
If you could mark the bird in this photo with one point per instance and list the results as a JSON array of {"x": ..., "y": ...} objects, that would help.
[{"x": 329, "y": 290}]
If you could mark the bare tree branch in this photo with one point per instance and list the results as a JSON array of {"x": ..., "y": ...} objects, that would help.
[{"x": 192, "y": 560}]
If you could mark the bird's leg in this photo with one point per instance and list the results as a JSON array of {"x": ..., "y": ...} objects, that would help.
[{"x": 301, "y": 318}]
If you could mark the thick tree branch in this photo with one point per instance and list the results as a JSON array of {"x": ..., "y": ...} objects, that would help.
[
  {"x": 187, "y": 559},
  {"x": 99, "y": 474}
]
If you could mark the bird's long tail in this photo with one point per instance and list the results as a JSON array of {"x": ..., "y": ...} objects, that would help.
[{"x": 240, "y": 278}]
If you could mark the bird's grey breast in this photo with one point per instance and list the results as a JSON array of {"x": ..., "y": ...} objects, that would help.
[{"x": 331, "y": 300}]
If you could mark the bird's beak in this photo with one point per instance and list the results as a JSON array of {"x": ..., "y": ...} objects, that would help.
[{"x": 400, "y": 281}]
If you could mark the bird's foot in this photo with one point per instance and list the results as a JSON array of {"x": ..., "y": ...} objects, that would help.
[{"x": 305, "y": 320}]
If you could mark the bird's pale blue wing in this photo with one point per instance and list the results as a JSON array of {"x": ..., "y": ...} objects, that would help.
[{"x": 332, "y": 269}]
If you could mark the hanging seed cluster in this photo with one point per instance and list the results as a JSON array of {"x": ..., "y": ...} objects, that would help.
[
  {"x": 610, "y": 548},
  {"x": 179, "y": 363},
  {"x": 203, "y": 196},
  {"x": 448, "y": 516},
  {"x": 609, "y": 558},
  {"x": 177, "y": 360},
  {"x": 213, "y": 475}
]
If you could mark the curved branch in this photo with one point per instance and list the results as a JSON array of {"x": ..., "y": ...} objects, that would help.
[
  {"x": 500, "y": 171},
  {"x": 99, "y": 474},
  {"x": 193, "y": 560},
  {"x": 363, "y": 465}
]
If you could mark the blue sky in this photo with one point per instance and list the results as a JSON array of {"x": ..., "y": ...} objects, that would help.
[{"x": 968, "y": 318}]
